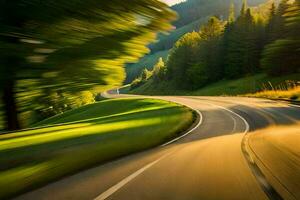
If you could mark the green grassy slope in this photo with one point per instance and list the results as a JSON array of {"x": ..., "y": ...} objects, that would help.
[
  {"x": 241, "y": 86},
  {"x": 84, "y": 137},
  {"x": 167, "y": 41}
]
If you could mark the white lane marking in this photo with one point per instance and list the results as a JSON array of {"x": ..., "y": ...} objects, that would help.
[
  {"x": 178, "y": 138},
  {"x": 126, "y": 180},
  {"x": 234, "y": 123},
  {"x": 293, "y": 105},
  {"x": 129, "y": 178},
  {"x": 182, "y": 136},
  {"x": 239, "y": 116}
]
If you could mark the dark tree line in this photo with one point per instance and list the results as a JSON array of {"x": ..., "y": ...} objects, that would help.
[{"x": 237, "y": 47}]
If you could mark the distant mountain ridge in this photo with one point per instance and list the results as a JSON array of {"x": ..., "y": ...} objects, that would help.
[{"x": 192, "y": 10}]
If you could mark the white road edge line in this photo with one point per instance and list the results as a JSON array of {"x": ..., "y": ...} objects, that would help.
[
  {"x": 239, "y": 116},
  {"x": 129, "y": 178},
  {"x": 261, "y": 180},
  {"x": 178, "y": 138},
  {"x": 293, "y": 105}
]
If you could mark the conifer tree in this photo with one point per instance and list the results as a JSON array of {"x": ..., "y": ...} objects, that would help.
[
  {"x": 282, "y": 56},
  {"x": 181, "y": 57},
  {"x": 231, "y": 16},
  {"x": 276, "y": 27}
]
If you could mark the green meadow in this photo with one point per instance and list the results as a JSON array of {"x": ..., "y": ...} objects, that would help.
[{"x": 85, "y": 137}]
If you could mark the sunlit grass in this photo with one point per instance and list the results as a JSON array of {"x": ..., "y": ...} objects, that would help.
[
  {"x": 288, "y": 91},
  {"x": 85, "y": 137},
  {"x": 243, "y": 86}
]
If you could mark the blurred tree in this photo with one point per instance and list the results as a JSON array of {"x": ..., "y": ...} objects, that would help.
[
  {"x": 72, "y": 45},
  {"x": 282, "y": 56},
  {"x": 276, "y": 26}
]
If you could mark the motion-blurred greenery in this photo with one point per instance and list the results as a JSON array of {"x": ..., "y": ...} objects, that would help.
[
  {"x": 60, "y": 48},
  {"x": 84, "y": 137}
]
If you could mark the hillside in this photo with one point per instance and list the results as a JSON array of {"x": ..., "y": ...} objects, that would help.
[
  {"x": 192, "y": 15},
  {"x": 248, "y": 86},
  {"x": 192, "y": 10},
  {"x": 134, "y": 70}
]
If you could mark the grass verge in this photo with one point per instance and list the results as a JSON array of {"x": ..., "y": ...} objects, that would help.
[
  {"x": 292, "y": 94},
  {"x": 84, "y": 137},
  {"x": 259, "y": 85}
]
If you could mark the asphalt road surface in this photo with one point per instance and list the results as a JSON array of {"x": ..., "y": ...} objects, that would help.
[{"x": 240, "y": 149}]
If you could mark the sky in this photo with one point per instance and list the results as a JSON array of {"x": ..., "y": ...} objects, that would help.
[{"x": 172, "y": 2}]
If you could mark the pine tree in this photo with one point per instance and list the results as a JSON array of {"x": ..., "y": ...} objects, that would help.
[
  {"x": 282, "y": 56},
  {"x": 271, "y": 26},
  {"x": 210, "y": 50},
  {"x": 276, "y": 26},
  {"x": 242, "y": 45},
  {"x": 244, "y": 8},
  {"x": 181, "y": 57},
  {"x": 231, "y": 16},
  {"x": 236, "y": 42}
]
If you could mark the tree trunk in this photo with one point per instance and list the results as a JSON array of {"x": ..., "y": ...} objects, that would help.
[{"x": 10, "y": 106}]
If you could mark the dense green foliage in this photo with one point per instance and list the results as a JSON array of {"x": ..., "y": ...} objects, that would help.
[
  {"x": 191, "y": 62},
  {"x": 84, "y": 137},
  {"x": 282, "y": 55},
  {"x": 192, "y": 15},
  {"x": 134, "y": 70},
  {"x": 157, "y": 74},
  {"x": 61, "y": 48},
  {"x": 143, "y": 78},
  {"x": 242, "y": 45},
  {"x": 252, "y": 43}
]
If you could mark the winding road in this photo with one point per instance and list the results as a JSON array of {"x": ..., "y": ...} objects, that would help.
[{"x": 239, "y": 149}]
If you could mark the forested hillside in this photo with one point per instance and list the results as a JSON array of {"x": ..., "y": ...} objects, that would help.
[
  {"x": 263, "y": 39},
  {"x": 191, "y": 15},
  {"x": 192, "y": 10}
]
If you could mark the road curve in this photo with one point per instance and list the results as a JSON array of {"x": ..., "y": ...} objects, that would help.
[{"x": 209, "y": 163}]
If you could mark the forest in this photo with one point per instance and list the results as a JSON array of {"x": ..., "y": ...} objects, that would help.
[
  {"x": 249, "y": 43},
  {"x": 192, "y": 14}
]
